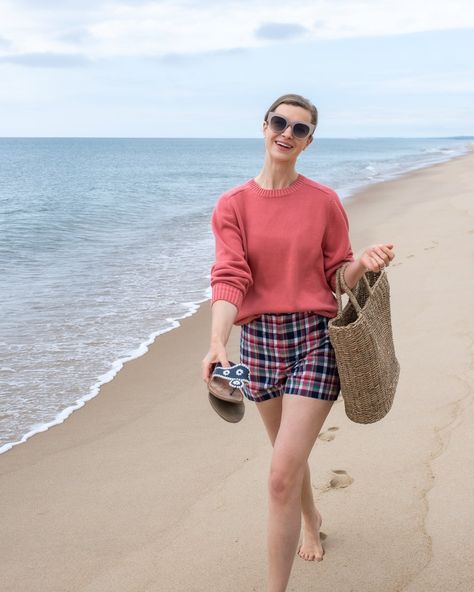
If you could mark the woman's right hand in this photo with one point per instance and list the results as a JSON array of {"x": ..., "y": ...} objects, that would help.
[
  {"x": 223, "y": 316},
  {"x": 216, "y": 353}
]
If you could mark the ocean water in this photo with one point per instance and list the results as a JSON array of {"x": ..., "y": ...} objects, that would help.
[{"x": 106, "y": 243}]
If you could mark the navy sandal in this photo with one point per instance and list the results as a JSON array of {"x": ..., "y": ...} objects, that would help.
[{"x": 225, "y": 390}]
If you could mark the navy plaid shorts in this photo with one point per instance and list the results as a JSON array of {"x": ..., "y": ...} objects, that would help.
[{"x": 289, "y": 353}]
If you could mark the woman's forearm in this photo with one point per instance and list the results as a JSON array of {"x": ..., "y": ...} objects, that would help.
[
  {"x": 223, "y": 317},
  {"x": 353, "y": 272},
  {"x": 224, "y": 312}
]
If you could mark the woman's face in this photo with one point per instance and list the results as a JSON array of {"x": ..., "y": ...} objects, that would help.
[{"x": 283, "y": 146}]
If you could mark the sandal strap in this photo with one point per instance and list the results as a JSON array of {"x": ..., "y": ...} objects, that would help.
[{"x": 233, "y": 373}]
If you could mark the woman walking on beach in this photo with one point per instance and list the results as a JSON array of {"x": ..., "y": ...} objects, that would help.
[{"x": 280, "y": 238}]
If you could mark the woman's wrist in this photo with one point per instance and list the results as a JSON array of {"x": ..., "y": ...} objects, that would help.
[
  {"x": 353, "y": 272},
  {"x": 217, "y": 340}
]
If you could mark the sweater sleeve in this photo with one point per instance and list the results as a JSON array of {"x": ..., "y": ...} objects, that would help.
[
  {"x": 230, "y": 274},
  {"x": 336, "y": 244}
]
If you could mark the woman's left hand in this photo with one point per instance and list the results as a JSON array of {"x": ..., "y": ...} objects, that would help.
[{"x": 376, "y": 257}]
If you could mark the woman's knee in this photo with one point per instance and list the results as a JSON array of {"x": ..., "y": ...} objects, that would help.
[{"x": 285, "y": 481}]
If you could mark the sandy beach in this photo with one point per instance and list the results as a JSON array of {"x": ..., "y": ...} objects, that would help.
[{"x": 146, "y": 489}]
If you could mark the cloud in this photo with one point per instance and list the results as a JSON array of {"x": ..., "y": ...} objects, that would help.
[
  {"x": 45, "y": 60},
  {"x": 4, "y": 43},
  {"x": 184, "y": 58},
  {"x": 53, "y": 4},
  {"x": 280, "y": 30},
  {"x": 75, "y": 36},
  {"x": 141, "y": 28}
]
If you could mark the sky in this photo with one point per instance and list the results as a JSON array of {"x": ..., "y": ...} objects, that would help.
[{"x": 211, "y": 68}]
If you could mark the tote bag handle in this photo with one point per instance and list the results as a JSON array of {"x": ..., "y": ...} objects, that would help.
[{"x": 340, "y": 283}]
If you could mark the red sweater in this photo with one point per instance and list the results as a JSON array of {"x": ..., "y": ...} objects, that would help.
[{"x": 277, "y": 250}]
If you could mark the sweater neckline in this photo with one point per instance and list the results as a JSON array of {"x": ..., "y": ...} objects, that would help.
[{"x": 297, "y": 184}]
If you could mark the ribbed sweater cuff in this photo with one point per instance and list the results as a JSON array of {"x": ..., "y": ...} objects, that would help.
[{"x": 227, "y": 292}]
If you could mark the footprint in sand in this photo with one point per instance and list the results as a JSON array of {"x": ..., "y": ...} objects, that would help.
[
  {"x": 409, "y": 256},
  {"x": 341, "y": 479},
  {"x": 328, "y": 435},
  {"x": 433, "y": 246}
]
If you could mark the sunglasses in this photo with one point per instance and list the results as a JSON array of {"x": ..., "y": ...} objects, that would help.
[{"x": 278, "y": 123}]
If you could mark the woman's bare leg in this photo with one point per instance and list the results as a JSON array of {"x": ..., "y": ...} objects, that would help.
[
  {"x": 270, "y": 412},
  {"x": 300, "y": 424},
  {"x": 311, "y": 548}
]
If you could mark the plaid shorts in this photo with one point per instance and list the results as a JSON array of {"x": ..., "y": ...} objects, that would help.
[{"x": 289, "y": 353}]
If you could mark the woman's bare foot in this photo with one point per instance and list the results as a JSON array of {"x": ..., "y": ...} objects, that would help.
[{"x": 311, "y": 548}]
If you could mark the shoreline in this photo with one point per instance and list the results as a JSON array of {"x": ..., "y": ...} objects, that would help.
[
  {"x": 117, "y": 365},
  {"x": 393, "y": 176},
  {"x": 145, "y": 488},
  {"x": 105, "y": 378}
]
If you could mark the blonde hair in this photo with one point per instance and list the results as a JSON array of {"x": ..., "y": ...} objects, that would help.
[{"x": 298, "y": 100}]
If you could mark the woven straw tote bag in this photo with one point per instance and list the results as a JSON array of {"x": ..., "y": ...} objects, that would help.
[{"x": 361, "y": 335}]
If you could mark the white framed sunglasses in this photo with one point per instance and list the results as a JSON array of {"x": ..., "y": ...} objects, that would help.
[{"x": 278, "y": 123}]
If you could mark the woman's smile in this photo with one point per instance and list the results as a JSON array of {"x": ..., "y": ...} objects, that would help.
[{"x": 283, "y": 146}]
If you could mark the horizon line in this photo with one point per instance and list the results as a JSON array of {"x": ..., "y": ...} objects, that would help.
[{"x": 448, "y": 137}]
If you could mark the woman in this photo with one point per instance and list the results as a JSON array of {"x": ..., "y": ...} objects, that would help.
[{"x": 280, "y": 238}]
